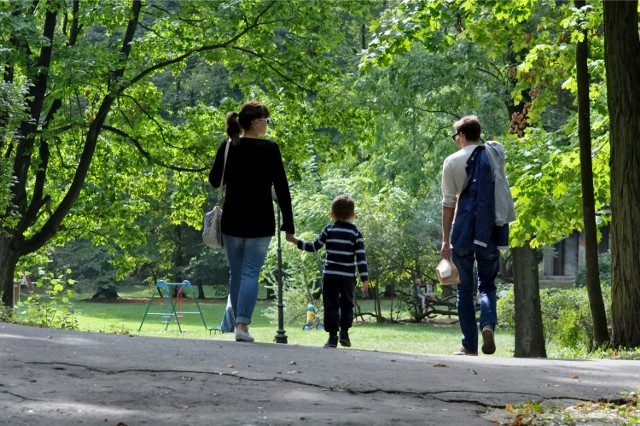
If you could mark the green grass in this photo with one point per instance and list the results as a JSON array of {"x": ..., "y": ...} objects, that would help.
[{"x": 439, "y": 336}]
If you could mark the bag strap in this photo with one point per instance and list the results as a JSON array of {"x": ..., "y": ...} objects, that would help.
[{"x": 224, "y": 166}]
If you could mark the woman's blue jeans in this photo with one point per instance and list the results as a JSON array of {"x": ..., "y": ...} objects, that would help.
[
  {"x": 488, "y": 262},
  {"x": 246, "y": 257}
]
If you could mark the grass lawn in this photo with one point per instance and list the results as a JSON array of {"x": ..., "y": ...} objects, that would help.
[{"x": 438, "y": 336}]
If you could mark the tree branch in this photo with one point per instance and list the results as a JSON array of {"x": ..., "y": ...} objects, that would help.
[
  {"x": 37, "y": 202},
  {"x": 248, "y": 27},
  {"x": 75, "y": 28},
  {"x": 268, "y": 63},
  {"x": 55, "y": 220},
  {"x": 456, "y": 116},
  {"x": 28, "y": 127},
  {"x": 148, "y": 156}
]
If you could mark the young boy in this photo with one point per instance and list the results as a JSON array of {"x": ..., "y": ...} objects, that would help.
[{"x": 344, "y": 253}]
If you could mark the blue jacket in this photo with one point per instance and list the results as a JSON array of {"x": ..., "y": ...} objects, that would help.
[{"x": 475, "y": 215}]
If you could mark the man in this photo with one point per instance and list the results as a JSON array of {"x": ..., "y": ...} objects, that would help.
[{"x": 475, "y": 192}]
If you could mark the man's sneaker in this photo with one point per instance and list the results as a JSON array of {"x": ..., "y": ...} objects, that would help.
[
  {"x": 465, "y": 351},
  {"x": 488, "y": 342},
  {"x": 243, "y": 336},
  {"x": 332, "y": 342},
  {"x": 344, "y": 339}
]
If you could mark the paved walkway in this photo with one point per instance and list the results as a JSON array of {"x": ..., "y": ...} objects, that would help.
[{"x": 54, "y": 377}]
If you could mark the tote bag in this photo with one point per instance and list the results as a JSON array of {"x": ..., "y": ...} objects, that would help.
[{"x": 212, "y": 228}]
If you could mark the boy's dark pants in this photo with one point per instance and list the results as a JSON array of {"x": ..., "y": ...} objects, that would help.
[{"x": 338, "y": 304}]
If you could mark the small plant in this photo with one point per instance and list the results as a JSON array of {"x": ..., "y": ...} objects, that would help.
[
  {"x": 51, "y": 306},
  {"x": 118, "y": 328}
]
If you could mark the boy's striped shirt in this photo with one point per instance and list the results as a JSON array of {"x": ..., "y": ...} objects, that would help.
[{"x": 345, "y": 251}]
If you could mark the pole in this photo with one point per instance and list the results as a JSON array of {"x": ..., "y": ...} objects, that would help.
[{"x": 281, "y": 336}]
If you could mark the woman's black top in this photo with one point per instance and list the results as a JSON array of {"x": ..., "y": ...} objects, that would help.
[{"x": 253, "y": 166}]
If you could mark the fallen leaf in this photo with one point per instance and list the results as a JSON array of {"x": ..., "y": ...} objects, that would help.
[{"x": 441, "y": 365}]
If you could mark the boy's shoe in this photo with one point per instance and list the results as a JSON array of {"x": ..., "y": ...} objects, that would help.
[
  {"x": 488, "y": 342},
  {"x": 332, "y": 342},
  {"x": 465, "y": 351},
  {"x": 243, "y": 336},
  {"x": 344, "y": 339}
]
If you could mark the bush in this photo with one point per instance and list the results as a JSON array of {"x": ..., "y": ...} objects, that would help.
[
  {"x": 301, "y": 285},
  {"x": 51, "y": 306},
  {"x": 566, "y": 316},
  {"x": 506, "y": 309},
  {"x": 604, "y": 270}
]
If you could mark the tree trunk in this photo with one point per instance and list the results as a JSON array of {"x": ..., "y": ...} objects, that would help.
[
  {"x": 598, "y": 313},
  {"x": 529, "y": 338},
  {"x": 622, "y": 60},
  {"x": 529, "y": 334},
  {"x": 8, "y": 262}
]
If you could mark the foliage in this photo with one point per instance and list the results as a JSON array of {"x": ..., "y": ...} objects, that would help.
[
  {"x": 624, "y": 411},
  {"x": 100, "y": 146},
  {"x": 117, "y": 328},
  {"x": 51, "y": 305},
  {"x": 11, "y": 113},
  {"x": 566, "y": 317},
  {"x": 604, "y": 268},
  {"x": 301, "y": 284},
  {"x": 378, "y": 131},
  {"x": 89, "y": 267},
  {"x": 527, "y": 49},
  {"x": 548, "y": 190}
]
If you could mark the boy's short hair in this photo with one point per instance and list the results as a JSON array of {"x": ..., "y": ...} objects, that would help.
[{"x": 342, "y": 207}]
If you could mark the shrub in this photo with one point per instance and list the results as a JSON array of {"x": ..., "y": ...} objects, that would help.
[
  {"x": 52, "y": 306},
  {"x": 604, "y": 270},
  {"x": 300, "y": 287},
  {"x": 566, "y": 316},
  {"x": 506, "y": 309}
]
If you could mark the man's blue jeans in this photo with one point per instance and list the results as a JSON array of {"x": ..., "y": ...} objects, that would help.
[
  {"x": 246, "y": 257},
  {"x": 488, "y": 262}
]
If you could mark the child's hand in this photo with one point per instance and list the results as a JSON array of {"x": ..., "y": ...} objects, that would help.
[
  {"x": 291, "y": 238},
  {"x": 365, "y": 287}
]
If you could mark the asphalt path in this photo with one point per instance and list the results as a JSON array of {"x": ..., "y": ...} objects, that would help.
[{"x": 56, "y": 377}]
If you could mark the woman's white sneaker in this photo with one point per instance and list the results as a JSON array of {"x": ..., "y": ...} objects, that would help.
[{"x": 243, "y": 336}]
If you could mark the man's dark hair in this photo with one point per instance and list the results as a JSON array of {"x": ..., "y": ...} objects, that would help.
[
  {"x": 470, "y": 126},
  {"x": 342, "y": 207}
]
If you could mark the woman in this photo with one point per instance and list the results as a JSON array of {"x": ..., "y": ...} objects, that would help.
[{"x": 253, "y": 166}]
